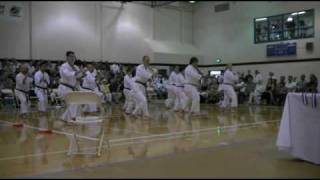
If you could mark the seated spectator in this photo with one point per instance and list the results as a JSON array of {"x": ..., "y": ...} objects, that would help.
[
  {"x": 281, "y": 91},
  {"x": 249, "y": 75},
  {"x": 312, "y": 85},
  {"x": 240, "y": 89},
  {"x": 268, "y": 95},
  {"x": 301, "y": 85}
]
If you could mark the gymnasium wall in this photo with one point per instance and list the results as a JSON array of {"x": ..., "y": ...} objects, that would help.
[
  {"x": 229, "y": 35},
  {"x": 94, "y": 30}
]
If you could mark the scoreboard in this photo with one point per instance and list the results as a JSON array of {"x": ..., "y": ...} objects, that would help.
[{"x": 282, "y": 49}]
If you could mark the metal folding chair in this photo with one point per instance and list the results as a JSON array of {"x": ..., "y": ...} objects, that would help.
[{"x": 82, "y": 98}]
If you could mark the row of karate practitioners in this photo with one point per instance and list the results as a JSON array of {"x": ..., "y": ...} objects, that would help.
[{"x": 183, "y": 88}]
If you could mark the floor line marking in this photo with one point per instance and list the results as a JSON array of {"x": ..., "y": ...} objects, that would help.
[
  {"x": 89, "y": 148},
  {"x": 157, "y": 135}
]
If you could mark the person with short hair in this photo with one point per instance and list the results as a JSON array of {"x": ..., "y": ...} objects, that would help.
[
  {"x": 41, "y": 82},
  {"x": 301, "y": 84},
  {"x": 192, "y": 77},
  {"x": 89, "y": 83},
  {"x": 312, "y": 85},
  {"x": 23, "y": 84},
  {"x": 229, "y": 81},
  {"x": 70, "y": 76},
  {"x": 142, "y": 75}
]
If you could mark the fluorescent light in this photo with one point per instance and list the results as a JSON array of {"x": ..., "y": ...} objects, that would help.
[
  {"x": 261, "y": 19},
  {"x": 293, "y": 14},
  {"x": 290, "y": 19},
  {"x": 302, "y": 12},
  {"x": 191, "y": 1}
]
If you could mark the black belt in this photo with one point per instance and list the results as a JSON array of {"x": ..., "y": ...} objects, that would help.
[
  {"x": 144, "y": 84},
  {"x": 25, "y": 92},
  {"x": 127, "y": 88},
  {"x": 179, "y": 86},
  {"x": 41, "y": 87},
  {"x": 69, "y": 86},
  {"x": 87, "y": 88}
]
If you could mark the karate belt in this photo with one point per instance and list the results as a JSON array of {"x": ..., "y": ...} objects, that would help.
[
  {"x": 87, "y": 88},
  {"x": 25, "y": 93},
  {"x": 69, "y": 86},
  {"x": 144, "y": 84}
]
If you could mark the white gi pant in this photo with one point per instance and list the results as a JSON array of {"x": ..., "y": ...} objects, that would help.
[
  {"x": 129, "y": 100},
  {"x": 91, "y": 107},
  {"x": 229, "y": 94},
  {"x": 24, "y": 102},
  {"x": 42, "y": 99},
  {"x": 171, "y": 96},
  {"x": 193, "y": 95},
  {"x": 181, "y": 99},
  {"x": 139, "y": 92},
  {"x": 256, "y": 94},
  {"x": 72, "y": 109}
]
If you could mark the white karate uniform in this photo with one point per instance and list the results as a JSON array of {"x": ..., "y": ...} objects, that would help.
[
  {"x": 41, "y": 79},
  {"x": 192, "y": 78},
  {"x": 128, "y": 93},
  {"x": 171, "y": 89},
  {"x": 68, "y": 76},
  {"x": 181, "y": 98},
  {"x": 229, "y": 80},
  {"x": 22, "y": 92},
  {"x": 139, "y": 90},
  {"x": 258, "y": 81},
  {"x": 89, "y": 84}
]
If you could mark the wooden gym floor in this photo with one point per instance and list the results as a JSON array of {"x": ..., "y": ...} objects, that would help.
[{"x": 170, "y": 145}]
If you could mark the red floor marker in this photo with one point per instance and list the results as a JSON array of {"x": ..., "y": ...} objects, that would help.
[{"x": 17, "y": 125}]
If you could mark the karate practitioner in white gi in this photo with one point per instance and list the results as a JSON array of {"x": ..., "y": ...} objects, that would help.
[
  {"x": 181, "y": 98},
  {"x": 192, "y": 78},
  {"x": 70, "y": 76},
  {"x": 171, "y": 89},
  {"x": 229, "y": 81},
  {"x": 90, "y": 84},
  {"x": 41, "y": 82},
  {"x": 256, "y": 95},
  {"x": 143, "y": 73},
  {"x": 23, "y": 84},
  {"x": 128, "y": 91}
]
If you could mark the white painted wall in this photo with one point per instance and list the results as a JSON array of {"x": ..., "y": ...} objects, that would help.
[
  {"x": 94, "y": 30},
  {"x": 229, "y": 35},
  {"x": 61, "y": 26},
  {"x": 14, "y": 33}
]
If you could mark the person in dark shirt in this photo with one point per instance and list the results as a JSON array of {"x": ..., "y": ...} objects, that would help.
[{"x": 312, "y": 85}]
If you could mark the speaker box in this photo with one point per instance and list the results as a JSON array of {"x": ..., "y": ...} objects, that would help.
[{"x": 309, "y": 46}]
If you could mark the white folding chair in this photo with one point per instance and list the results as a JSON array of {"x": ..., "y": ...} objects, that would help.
[{"x": 82, "y": 98}]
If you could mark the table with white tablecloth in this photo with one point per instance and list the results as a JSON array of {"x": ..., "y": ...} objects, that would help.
[{"x": 299, "y": 132}]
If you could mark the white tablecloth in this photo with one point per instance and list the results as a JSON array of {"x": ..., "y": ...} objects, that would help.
[{"x": 299, "y": 132}]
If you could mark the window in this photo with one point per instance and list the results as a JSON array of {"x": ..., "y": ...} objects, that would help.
[{"x": 295, "y": 25}]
